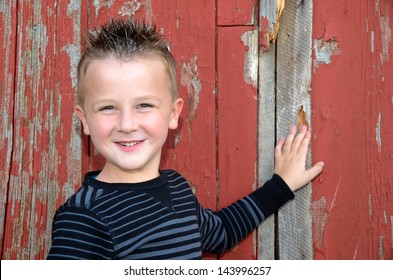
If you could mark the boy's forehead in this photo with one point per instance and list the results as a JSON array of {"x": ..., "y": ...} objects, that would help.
[
  {"x": 148, "y": 59},
  {"x": 149, "y": 70}
]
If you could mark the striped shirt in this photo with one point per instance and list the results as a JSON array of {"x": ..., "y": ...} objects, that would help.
[{"x": 157, "y": 219}]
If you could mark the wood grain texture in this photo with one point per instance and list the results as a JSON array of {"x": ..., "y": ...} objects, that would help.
[
  {"x": 237, "y": 123},
  {"x": 237, "y": 12},
  {"x": 8, "y": 18},
  {"x": 352, "y": 123},
  {"x": 45, "y": 157},
  {"x": 293, "y": 91},
  {"x": 266, "y": 120},
  {"x": 338, "y": 67}
]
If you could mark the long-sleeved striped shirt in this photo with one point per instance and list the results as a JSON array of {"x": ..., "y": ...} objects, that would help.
[{"x": 158, "y": 219}]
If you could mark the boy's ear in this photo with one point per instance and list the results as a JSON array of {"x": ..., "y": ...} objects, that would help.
[
  {"x": 176, "y": 110},
  {"x": 81, "y": 115}
]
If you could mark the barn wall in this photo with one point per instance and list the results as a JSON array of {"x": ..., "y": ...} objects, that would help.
[
  {"x": 241, "y": 91},
  {"x": 352, "y": 116}
]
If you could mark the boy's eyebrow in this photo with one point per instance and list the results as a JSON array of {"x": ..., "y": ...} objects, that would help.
[{"x": 141, "y": 98}]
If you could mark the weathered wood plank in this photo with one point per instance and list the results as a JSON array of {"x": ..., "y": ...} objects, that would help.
[
  {"x": 293, "y": 90},
  {"x": 236, "y": 12},
  {"x": 266, "y": 120},
  {"x": 45, "y": 167},
  {"x": 352, "y": 119},
  {"x": 8, "y": 18},
  {"x": 237, "y": 67}
]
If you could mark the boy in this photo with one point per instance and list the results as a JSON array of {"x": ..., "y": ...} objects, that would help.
[{"x": 127, "y": 102}]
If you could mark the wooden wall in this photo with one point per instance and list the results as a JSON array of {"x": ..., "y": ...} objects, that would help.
[
  {"x": 241, "y": 92},
  {"x": 352, "y": 94}
]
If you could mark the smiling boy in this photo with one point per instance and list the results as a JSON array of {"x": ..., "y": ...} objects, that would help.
[
  {"x": 128, "y": 108},
  {"x": 131, "y": 209}
]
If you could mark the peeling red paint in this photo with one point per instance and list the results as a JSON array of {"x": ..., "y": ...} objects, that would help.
[
  {"x": 189, "y": 78},
  {"x": 324, "y": 49},
  {"x": 264, "y": 41},
  {"x": 351, "y": 114},
  {"x": 237, "y": 111},
  {"x": 236, "y": 12},
  {"x": 352, "y": 95}
]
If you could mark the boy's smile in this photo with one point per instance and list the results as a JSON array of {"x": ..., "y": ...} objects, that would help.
[{"x": 128, "y": 109}]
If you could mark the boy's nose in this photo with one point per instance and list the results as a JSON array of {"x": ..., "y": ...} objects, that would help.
[{"x": 127, "y": 122}]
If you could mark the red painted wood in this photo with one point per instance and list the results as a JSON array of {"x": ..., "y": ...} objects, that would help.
[
  {"x": 237, "y": 12},
  {"x": 237, "y": 133},
  {"x": 8, "y": 66},
  {"x": 45, "y": 166},
  {"x": 351, "y": 115},
  {"x": 352, "y": 130}
]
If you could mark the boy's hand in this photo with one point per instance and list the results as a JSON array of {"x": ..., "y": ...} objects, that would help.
[{"x": 290, "y": 157}]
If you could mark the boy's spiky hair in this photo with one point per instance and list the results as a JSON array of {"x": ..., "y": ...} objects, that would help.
[{"x": 125, "y": 39}]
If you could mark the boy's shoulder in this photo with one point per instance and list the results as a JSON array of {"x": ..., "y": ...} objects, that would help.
[
  {"x": 91, "y": 190},
  {"x": 175, "y": 179}
]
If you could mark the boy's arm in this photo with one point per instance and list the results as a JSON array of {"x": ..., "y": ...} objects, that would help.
[{"x": 223, "y": 229}]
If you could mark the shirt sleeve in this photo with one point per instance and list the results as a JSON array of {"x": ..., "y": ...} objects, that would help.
[
  {"x": 225, "y": 228},
  {"x": 77, "y": 233}
]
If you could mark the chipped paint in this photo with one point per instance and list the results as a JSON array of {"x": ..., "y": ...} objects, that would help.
[
  {"x": 320, "y": 219},
  {"x": 378, "y": 133},
  {"x": 385, "y": 30},
  {"x": 324, "y": 50},
  {"x": 249, "y": 39},
  {"x": 355, "y": 254},
  {"x": 98, "y": 4},
  {"x": 129, "y": 8},
  {"x": 270, "y": 22},
  {"x": 74, "y": 52},
  {"x": 381, "y": 249},
  {"x": 280, "y": 5},
  {"x": 189, "y": 78},
  {"x": 372, "y": 41},
  {"x": 391, "y": 230},
  {"x": 302, "y": 118}
]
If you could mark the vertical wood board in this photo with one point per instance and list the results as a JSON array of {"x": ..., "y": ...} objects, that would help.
[
  {"x": 237, "y": 121},
  {"x": 7, "y": 64},
  {"x": 293, "y": 91},
  {"x": 236, "y": 12},
  {"x": 266, "y": 121},
  {"x": 352, "y": 119},
  {"x": 45, "y": 167}
]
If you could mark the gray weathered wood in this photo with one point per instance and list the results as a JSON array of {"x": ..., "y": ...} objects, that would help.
[
  {"x": 266, "y": 126},
  {"x": 294, "y": 50}
]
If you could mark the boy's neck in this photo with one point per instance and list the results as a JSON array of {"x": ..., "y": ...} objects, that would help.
[{"x": 121, "y": 176}]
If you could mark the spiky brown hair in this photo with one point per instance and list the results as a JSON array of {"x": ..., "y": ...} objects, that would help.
[{"x": 125, "y": 39}]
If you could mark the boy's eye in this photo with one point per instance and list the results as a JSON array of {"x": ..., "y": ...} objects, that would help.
[
  {"x": 106, "y": 108},
  {"x": 145, "y": 105}
]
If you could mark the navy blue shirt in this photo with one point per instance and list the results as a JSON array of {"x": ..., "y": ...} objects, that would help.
[{"x": 157, "y": 219}]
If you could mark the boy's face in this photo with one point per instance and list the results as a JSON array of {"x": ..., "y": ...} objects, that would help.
[{"x": 127, "y": 111}]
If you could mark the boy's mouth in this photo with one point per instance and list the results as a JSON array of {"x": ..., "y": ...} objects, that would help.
[{"x": 129, "y": 144}]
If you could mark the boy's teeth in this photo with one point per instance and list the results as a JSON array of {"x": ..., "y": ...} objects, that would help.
[{"x": 128, "y": 144}]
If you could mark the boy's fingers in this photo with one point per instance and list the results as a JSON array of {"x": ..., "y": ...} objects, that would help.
[
  {"x": 288, "y": 141},
  {"x": 299, "y": 138},
  {"x": 278, "y": 149},
  {"x": 315, "y": 170},
  {"x": 303, "y": 146}
]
